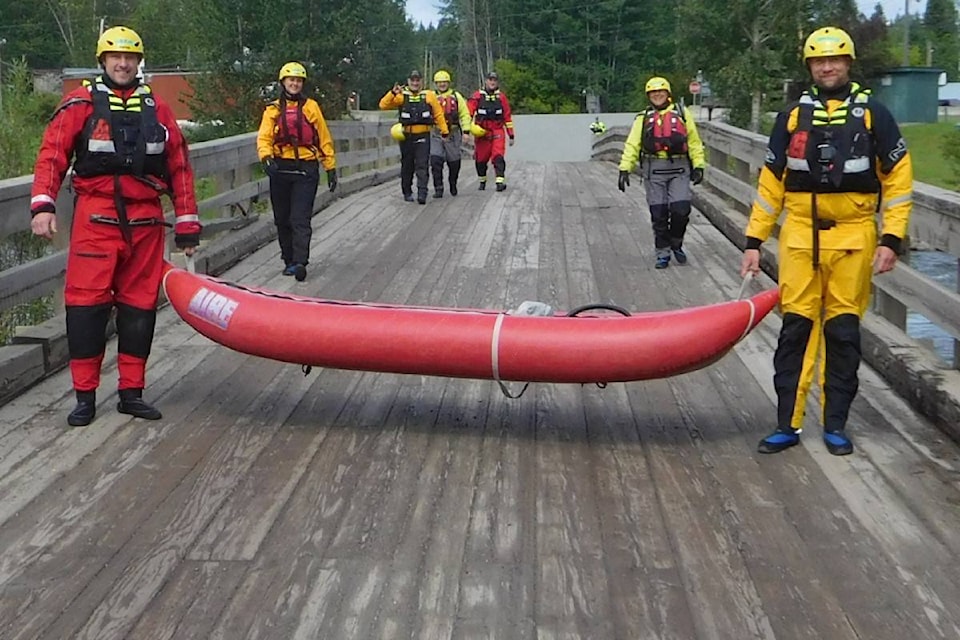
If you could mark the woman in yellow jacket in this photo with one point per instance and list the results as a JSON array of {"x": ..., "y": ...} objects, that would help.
[
  {"x": 292, "y": 143},
  {"x": 665, "y": 140},
  {"x": 835, "y": 158}
]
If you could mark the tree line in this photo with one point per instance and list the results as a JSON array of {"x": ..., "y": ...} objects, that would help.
[{"x": 550, "y": 53}]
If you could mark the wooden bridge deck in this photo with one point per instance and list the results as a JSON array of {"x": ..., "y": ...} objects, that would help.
[{"x": 269, "y": 504}]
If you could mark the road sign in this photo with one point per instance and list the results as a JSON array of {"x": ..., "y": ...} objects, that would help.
[{"x": 694, "y": 87}]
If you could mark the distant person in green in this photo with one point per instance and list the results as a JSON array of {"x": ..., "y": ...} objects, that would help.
[
  {"x": 665, "y": 141},
  {"x": 597, "y": 127}
]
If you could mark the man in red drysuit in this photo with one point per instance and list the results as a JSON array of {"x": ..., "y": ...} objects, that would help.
[
  {"x": 129, "y": 151},
  {"x": 491, "y": 110}
]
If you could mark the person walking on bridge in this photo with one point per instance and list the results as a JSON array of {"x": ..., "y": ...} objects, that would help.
[
  {"x": 598, "y": 127},
  {"x": 835, "y": 158},
  {"x": 127, "y": 151},
  {"x": 490, "y": 110},
  {"x": 457, "y": 115},
  {"x": 665, "y": 141},
  {"x": 418, "y": 111},
  {"x": 292, "y": 142}
]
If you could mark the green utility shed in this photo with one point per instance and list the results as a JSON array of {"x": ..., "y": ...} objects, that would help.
[{"x": 909, "y": 92}]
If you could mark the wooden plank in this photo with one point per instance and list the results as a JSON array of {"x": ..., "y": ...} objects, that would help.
[
  {"x": 20, "y": 366},
  {"x": 190, "y": 602},
  {"x": 131, "y": 472},
  {"x": 927, "y": 297},
  {"x": 31, "y": 280}
]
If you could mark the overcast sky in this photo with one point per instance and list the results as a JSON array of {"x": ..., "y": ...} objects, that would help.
[
  {"x": 892, "y": 8},
  {"x": 425, "y": 10}
]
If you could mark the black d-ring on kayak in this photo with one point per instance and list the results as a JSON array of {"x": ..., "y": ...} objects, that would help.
[{"x": 597, "y": 306}]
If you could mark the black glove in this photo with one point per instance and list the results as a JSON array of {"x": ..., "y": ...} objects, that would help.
[
  {"x": 331, "y": 179},
  {"x": 270, "y": 167},
  {"x": 696, "y": 176},
  {"x": 624, "y": 181}
]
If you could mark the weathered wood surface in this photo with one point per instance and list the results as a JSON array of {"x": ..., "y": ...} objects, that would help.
[{"x": 269, "y": 504}]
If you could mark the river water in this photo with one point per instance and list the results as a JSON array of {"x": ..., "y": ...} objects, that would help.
[{"x": 941, "y": 267}]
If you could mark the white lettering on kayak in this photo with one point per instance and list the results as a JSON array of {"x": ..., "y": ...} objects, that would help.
[{"x": 215, "y": 308}]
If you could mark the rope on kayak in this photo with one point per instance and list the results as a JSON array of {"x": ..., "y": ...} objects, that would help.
[
  {"x": 753, "y": 309},
  {"x": 495, "y": 360},
  {"x": 743, "y": 285}
]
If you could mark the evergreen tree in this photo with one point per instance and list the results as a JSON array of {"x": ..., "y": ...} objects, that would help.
[{"x": 940, "y": 21}]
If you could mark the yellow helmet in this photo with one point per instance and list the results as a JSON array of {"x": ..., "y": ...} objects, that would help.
[
  {"x": 658, "y": 84},
  {"x": 441, "y": 76},
  {"x": 828, "y": 41},
  {"x": 477, "y": 131},
  {"x": 396, "y": 132},
  {"x": 119, "y": 40},
  {"x": 292, "y": 70}
]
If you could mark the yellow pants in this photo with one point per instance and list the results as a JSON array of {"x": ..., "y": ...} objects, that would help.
[{"x": 822, "y": 308}]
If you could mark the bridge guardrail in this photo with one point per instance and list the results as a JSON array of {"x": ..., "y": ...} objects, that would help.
[
  {"x": 735, "y": 157},
  {"x": 366, "y": 155}
]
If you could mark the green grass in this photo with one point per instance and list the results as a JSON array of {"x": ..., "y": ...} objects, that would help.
[{"x": 926, "y": 144}]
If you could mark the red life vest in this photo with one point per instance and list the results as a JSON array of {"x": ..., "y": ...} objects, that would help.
[
  {"x": 450, "y": 108},
  {"x": 665, "y": 131},
  {"x": 293, "y": 128}
]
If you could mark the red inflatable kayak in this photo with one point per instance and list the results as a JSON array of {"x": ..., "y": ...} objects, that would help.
[{"x": 461, "y": 343}]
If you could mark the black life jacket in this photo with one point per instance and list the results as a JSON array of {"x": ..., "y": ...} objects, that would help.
[
  {"x": 490, "y": 107},
  {"x": 121, "y": 136},
  {"x": 832, "y": 153},
  {"x": 664, "y": 131},
  {"x": 292, "y": 128},
  {"x": 415, "y": 109}
]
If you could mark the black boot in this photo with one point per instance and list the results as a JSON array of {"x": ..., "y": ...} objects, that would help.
[
  {"x": 85, "y": 411},
  {"x": 131, "y": 402}
]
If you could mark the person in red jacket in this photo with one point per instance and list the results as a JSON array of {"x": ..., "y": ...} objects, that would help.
[
  {"x": 127, "y": 151},
  {"x": 490, "y": 109}
]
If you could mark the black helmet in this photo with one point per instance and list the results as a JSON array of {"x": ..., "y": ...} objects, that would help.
[
  {"x": 414, "y": 74},
  {"x": 492, "y": 75}
]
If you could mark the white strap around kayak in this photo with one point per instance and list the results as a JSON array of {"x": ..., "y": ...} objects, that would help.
[{"x": 495, "y": 359}]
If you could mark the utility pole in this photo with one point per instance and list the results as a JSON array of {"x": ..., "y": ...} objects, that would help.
[
  {"x": 906, "y": 32},
  {"x": 3, "y": 41}
]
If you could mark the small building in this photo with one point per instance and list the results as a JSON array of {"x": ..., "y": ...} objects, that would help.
[
  {"x": 911, "y": 93},
  {"x": 172, "y": 86}
]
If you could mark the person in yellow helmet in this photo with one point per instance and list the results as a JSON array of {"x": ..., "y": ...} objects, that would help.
[
  {"x": 598, "y": 127},
  {"x": 457, "y": 115},
  {"x": 835, "y": 158},
  {"x": 292, "y": 142},
  {"x": 418, "y": 112},
  {"x": 127, "y": 150},
  {"x": 665, "y": 141}
]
